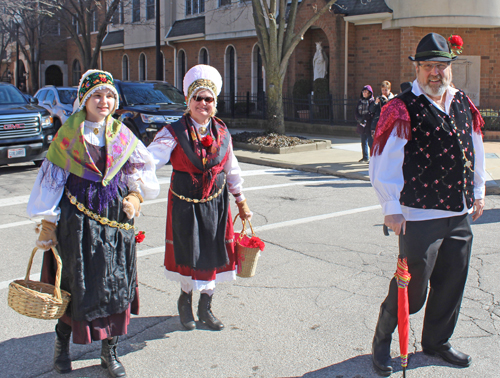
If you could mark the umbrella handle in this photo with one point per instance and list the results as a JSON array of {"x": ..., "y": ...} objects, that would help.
[{"x": 386, "y": 230}]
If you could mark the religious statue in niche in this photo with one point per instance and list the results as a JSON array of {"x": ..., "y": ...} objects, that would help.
[{"x": 320, "y": 62}]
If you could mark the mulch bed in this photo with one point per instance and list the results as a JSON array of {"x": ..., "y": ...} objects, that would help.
[{"x": 269, "y": 139}]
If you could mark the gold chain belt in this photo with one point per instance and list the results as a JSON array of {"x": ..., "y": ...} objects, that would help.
[
  {"x": 213, "y": 196},
  {"x": 90, "y": 214}
]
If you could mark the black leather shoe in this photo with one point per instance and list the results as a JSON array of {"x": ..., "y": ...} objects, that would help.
[
  {"x": 184, "y": 305},
  {"x": 205, "y": 313},
  {"x": 381, "y": 346},
  {"x": 449, "y": 354},
  {"x": 109, "y": 358},
  {"x": 62, "y": 360}
]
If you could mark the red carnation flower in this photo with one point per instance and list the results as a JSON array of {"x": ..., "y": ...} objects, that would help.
[
  {"x": 456, "y": 41},
  {"x": 207, "y": 141},
  {"x": 139, "y": 238}
]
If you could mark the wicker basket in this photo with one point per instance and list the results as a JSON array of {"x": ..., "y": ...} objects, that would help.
[
  {"x": 247, "y": 257},
  {"x": 37, "y": 299}
]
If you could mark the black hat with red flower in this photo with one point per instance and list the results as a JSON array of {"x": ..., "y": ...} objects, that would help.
[{"x": 435, "y": 47}]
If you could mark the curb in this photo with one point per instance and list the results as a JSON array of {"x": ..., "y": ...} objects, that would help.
[{"x": 284, "y": 165}]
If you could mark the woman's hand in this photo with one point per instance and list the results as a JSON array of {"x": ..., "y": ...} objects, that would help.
[
  {"x": 244, "y": 210},
  {"x": 47, "y": 235},
  {"x": 132, "y": 204}
]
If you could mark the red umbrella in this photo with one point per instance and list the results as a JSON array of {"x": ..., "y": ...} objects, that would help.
[{"x": 403, "y": 277}]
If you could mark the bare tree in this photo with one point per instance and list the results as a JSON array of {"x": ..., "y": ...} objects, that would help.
[
  {"x": 5, "y": 39},
  {"x": 29, "y": 27},
  {"x": 277, "y": 40},
  {"x": 81, "y": 18}
]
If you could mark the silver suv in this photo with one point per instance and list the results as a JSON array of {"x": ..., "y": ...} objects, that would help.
[{"x": 58, "y": 101}]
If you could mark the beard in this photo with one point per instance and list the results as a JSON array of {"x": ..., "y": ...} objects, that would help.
[{"x": 439, "y": 91}]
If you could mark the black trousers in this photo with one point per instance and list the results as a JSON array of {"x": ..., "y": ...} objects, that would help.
[{"x": 438, "y": 252}]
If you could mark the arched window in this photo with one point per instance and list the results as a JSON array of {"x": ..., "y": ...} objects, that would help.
[
  {"x": 230, "y": 70},
  {"x": 181, "y": 68},
  {"x": 203, "y": 56},
  {"x": 142, "y": 67},
  {"x": 77, "y": 72},
  {"x": 125, "y": 67}
]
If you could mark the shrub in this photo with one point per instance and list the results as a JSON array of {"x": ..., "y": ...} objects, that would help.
[
  {"x": 301, "y": 89},
  {"x": 320, "y": 88}
]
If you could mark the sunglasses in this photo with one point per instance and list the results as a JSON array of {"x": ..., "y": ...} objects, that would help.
[{"x": 208, "y": 100}]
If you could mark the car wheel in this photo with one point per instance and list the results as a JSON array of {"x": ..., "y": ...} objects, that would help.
[{"x": 38, "y": 163}]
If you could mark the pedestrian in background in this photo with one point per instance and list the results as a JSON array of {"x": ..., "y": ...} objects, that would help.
[
  {"x": 380, "y": 101},
  {"x": 88, "y": 191},
  {"x": 428, "y": 170},
  {"x": 199, "y": 249},
  {"x": 364, "y": 118}
]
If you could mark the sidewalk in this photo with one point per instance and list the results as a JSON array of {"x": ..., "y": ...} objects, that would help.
[{"x": 342, "y": 159}]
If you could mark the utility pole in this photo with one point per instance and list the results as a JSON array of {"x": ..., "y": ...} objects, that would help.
[
  {"x": 159, "y": 63},
  {"x": 16, "y": 81}
]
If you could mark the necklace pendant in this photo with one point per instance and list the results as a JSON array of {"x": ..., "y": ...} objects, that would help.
[
  {"x": 468, "y": 164},
  {"x": 96, "y": 131},
  {"x": 203, "y": 130}
]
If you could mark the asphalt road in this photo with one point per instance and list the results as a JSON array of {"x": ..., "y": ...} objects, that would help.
[{"x": 309, "y": 312}]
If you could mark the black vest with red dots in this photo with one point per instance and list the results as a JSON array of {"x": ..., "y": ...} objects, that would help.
[{"x": 438, "y": 166}]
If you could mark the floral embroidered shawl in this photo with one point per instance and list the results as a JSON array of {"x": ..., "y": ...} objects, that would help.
[{"x": 69, "y": 151}]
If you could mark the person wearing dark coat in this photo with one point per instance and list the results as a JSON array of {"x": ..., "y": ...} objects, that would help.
[
  {"x": 364, "y": 118},
  {"x": 380, "y": 101}
]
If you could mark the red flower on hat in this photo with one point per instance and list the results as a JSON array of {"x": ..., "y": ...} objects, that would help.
[
  {"x": 456, "y": 43},
  {"x": 207, "y": 141}
]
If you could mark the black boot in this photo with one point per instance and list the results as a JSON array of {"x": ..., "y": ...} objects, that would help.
[
  {"x": 62, "y": 360},
  {"x": 205, "y": 313},
  {"x": 184, "y": 305},
  {"x": 381, "y": 346},
  {"x": 109, "y": 358}
]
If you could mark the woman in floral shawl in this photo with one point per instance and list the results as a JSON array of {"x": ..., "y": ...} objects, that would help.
[
  {"x": 199, "y": 248},
  {"x": 88, "y": 191}
]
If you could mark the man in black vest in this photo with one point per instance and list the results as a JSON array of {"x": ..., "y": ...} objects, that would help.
[{"x": 428, "y": 171}]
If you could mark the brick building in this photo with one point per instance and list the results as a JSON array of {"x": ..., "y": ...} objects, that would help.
[{"x": 366, "y": 42}]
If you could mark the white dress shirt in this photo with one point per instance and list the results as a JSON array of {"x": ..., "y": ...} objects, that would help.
[{"x": 386, "y": 171}]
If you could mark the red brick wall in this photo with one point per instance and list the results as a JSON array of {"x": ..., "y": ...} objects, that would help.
[{"x": 376, "y": 57}]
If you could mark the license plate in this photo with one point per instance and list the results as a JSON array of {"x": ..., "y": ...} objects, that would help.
[{"x": 17, "y": 152}]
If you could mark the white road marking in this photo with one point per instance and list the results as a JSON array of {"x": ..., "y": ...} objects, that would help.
[
  {"x": 10, "y": 201},
  {"x": 14, "y": 200},
  {"x": 22, "y": 223},
  {"x": 5, "y": 284},
  {"x": 162, "y": 200},
  {"x": 263, "y": 187},
  {"x": 294, "y": 222}
]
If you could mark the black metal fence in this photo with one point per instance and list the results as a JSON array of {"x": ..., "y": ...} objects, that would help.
[
  {"x": 491, "y": 115},
  {"x": 330, "y": 110}
]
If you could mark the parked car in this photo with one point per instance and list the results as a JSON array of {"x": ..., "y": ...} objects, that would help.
[
  {"x": 58, "y": 101},
  {"x": 146, "y": 106},
  {"x": 26, "y": 129}
]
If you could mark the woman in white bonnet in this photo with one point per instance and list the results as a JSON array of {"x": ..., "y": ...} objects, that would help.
[{"x": 199, "y": 249}]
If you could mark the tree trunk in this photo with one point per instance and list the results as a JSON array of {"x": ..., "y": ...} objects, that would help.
[{"x": 275, "y": 114}]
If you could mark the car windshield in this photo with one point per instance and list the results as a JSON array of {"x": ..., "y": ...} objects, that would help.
[
  {"x": 67, "y": 96},
  {"x": 151, "y": 93},
  {"x": 10, "y": 95}
]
